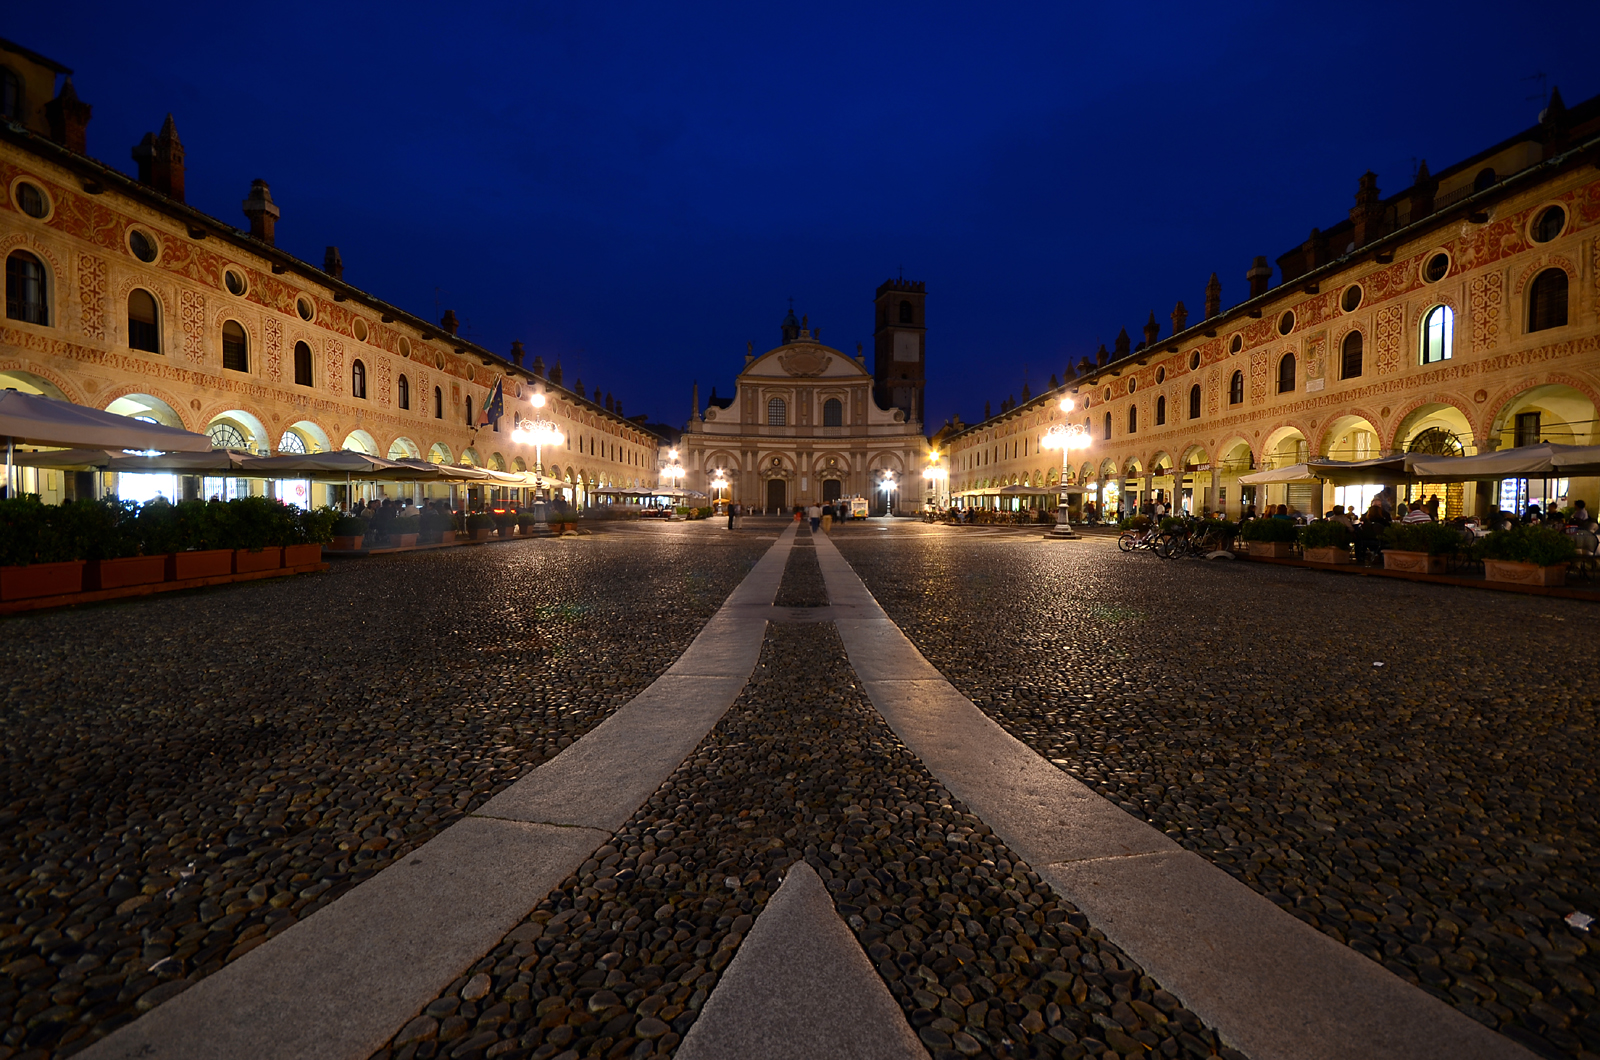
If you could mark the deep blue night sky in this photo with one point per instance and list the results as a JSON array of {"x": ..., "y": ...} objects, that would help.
[{"x": 637, "y": 190}]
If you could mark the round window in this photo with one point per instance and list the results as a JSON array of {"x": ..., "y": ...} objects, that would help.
[
  {"x": 1133, "y": 385},
  {"x": 405, "y": 347},
  {"x": 1108, "y": 393},
  {"x": 1286, "y": 323},
  {"x": 1548, "y": 225},
  {"x": 1237, "y": 344},
  {"x": 1161, "y": 375},
  {"x": 438, "y": 361},
  {"x": 234, "y": 281},
  {"x": 1437, "y": 268},
  {"x": 302, "y": 305},
  {"x": 360, "y": 328},
  {"x": 143, "y": 247},
  {"x": 1194, "y": 360},
  {"x": 1351, "y": 299},
  {"x": 31, "y": 200}
]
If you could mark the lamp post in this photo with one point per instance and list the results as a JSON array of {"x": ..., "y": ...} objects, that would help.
[
  {"x": 888, "y": 485},
  {"x": 718, "y": 485},
  {"x": 935, "y": 474},
  {"x": 1065, "y": 437},
  {"x": 538, "y": 433},
  {"x": 673, "y": 473}
]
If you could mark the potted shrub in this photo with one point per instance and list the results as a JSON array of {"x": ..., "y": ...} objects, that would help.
[
  {"x": 309, "y": 531},
  {"x": 1528, "y": 555},
  {"x": 1327, "y": 541},
  {"x": 37, "y": 546},
  {"x": 505, "y": 523},
  {"x": 348, "y": 533},
  {"x": 196, "y": 530},
  {"x": 434, "y": 525},
  {"x": 1419, "y": 548},
  {"x": 1270, "y": 538},
  {"x": 253, "y": 527},
  {"x": 114, "y": 556},
  {"x": 405, "y": 529},
  {"x": 479, "y": 526},
  {"x": 525, "y": 523}
]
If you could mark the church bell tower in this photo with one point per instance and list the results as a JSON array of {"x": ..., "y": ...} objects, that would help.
[{"x": 899, "y": 347}]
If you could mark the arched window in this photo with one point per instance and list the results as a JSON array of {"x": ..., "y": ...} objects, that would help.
[
  {"x": 1194, "y": 402},
  {"x": 469, "y": 408},
  {"x": 438, "y": 403},
  {"x": 1350, "y": 356},
  {"x": 143, "y": 334},
  {"x": 1133, "y": 419},
  {"x": 358, "y": 379},
  {"x": 833, "y": 413},
  {"x": 302, "y": 364},
  {"x": 10, "y": 94},
  {"x": 905, "y": 312},
  {"x": 1547, "y": 300},
  {"x": 1485, "y": 179},
  {"x": 1286, "y": 374},
  {"x": 1438, "y": 334},
  {"x": 235, "y": 347},
  {"x": 1161, "y": 410},
  {"x": 777, "y": 413},
  {"x": 1236, "y": 389},
  {"x": 1108, "y": 426},
  {"x": 25, "y": 293},
  {"x": 403, "y": 392}
]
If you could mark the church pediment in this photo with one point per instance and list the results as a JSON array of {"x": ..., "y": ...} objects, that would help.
[{"x": 804, "y": 360}]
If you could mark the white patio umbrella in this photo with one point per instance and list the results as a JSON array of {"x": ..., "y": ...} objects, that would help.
[
  {"x": 1547, "y": 459},
  {"x": 32, "y": 419}
]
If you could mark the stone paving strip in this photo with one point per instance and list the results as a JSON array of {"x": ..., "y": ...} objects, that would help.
[
  {"x": 183, "y": 779},
  {"x": 1409, "y": 769},
  {"x": 1270, "y": 984},
  {"x": 801, "y": 987},
  {"x": 338, "y": 985},
  {"x": 982, "y": 957}
]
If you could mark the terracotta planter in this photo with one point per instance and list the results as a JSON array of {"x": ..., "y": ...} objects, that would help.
[
  {"x": 41, "y": 579},
  {"x": 1331, "y": 554},
  {"x": 447, "y": 537},
  {"x": 347, "y": 544},
  {"x": 212, "y": 563},
  {"x": 130, "y": 570},
  {"x": 301, "y": 555},
  {"x": 406, "y": 540},
  {"x": 481, "y": 534},
  {"x": 1504, "y": 570},
  {"x": 1412, "y": 562},
  {"x": 247, "y": 562},
  {"x": 1272, "y": 549}
]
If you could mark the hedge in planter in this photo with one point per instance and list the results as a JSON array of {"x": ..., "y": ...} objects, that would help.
[
  {"x": 1326, "y": 541},
  {"x": 1260, "y": 530},
  {"x": 1536, "y": 555},
  {"x": 1434, "y": 539}
]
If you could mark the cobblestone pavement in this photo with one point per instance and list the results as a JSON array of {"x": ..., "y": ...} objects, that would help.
[
  {"x": 983, "y": 957},
  {"x": 1409, "y": 768},
  {"x": 186, "y": 776}
]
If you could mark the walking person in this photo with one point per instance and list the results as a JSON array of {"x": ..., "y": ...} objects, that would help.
[
  {"x": 814, "y": 513},
  {"x": 827, "y": 517},
  {"x": 731, "y": 525}
]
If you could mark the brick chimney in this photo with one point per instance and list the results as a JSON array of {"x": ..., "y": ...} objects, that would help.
[
  {"x": 1367, "y": 215},
  {"x": 1180, "y": 318},
  {"x": 1259, "y": 275},
  {"x": 1102, "y": 355},
  {"x": 1152, "y": 330},
  {"x": 261, "y": 211},
  {"x": 1122, "y": 344},
  {"x": 166, "y": 171},
  {"x": 69, "y": 119},
  {"x": 1423, "y": 189},
  {"x": 1315, "y": 250},
  {"x": 332, "y": 263},
  {"x": 555, "y": 374},
  {"x": 1213, "y": 296},
  {"x": 448, "y": 322},
  {"x": 610, "y": 405}
]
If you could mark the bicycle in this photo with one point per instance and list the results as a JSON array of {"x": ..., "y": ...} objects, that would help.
[{"x": 1139, "y": 540}]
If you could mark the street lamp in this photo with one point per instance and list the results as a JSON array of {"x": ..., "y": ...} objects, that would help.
[
  {"x": 934, "y": 473},
  {"x": 538, "y": 433},
  {"x": 1065, "y": 437},
  {"x": 889, "y": 485}
]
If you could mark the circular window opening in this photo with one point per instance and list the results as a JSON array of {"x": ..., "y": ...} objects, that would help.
[
  {"x": 31, "y": 201},
  {"x": 405, "y": 347},
  {"x": 1286, "y": 323},
  {"x": 143, "y": 247},
  {"x": 1132, "y": 385},
  {"x": 1237, "y": 344},
  {"x": 1351, "y": 300},
  {"x": 234, "y": 282},
  {"x": 360, "y": 328},
  {"x": 1161, "y": 375},
  {"x": 1437, "y": 267},
  {"x": 1548, "y": 225},
  {"x": 1108, "y": 393},
  {"x": 1194, "y": 360},
  {"x": 438, "y": 361},
  {"x": 303, "y": 307}
]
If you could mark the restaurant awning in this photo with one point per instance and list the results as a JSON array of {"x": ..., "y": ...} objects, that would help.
[
  {"x": 32, "y": 419},
  {"x": 1383, "y": 470},
  {"x": 1547, "y": 460}
]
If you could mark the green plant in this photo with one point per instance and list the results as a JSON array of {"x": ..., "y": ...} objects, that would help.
[
  {"x": 525, "y": 520},
  {"x": 1326, "y": 533},
  {"x": 1135, "y": 522},
  {"x": 251, "y": 523},
  {"x": 350, "y": 526},
  {"x": 1436, "y": 539},
  {"x": 1542, "y": 545},
  {"x": 406, "y": 524},
  {"x": 1268, "y": 530},
  {"x": 480, "y": 521},
  {"x": 312, "y": 527},
  {"x": 1173, "y": 522},
  {"x": 502, "y": 520}
]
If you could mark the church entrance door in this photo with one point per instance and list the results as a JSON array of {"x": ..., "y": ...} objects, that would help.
[
  {"x": 777, "y": 495},
  {"x": 831, "y": 489}
]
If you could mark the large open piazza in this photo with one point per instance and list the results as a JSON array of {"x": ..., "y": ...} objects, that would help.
[{"x": 1248, "y": 810}]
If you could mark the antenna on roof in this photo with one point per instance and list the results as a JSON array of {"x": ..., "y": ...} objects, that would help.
[{"x": 1544, "y": 93}]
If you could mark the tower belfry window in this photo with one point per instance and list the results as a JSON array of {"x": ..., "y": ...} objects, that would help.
[{"x": 905, "y": 312}]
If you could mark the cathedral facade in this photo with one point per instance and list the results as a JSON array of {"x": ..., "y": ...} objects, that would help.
[{"x": 809, "y": 423}]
